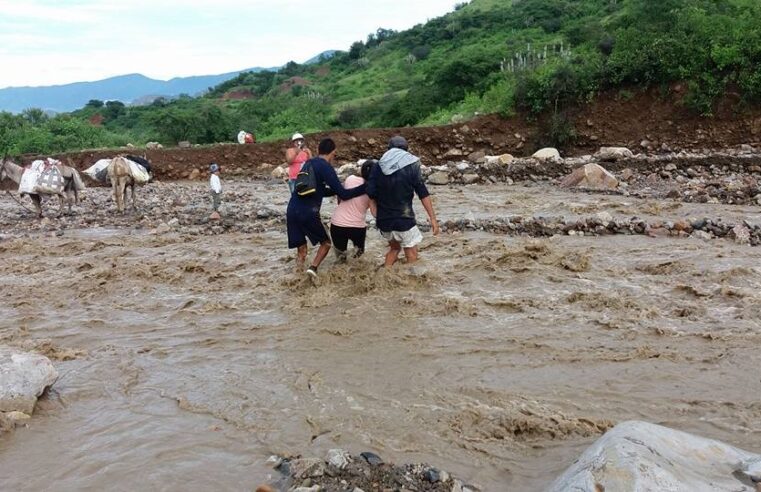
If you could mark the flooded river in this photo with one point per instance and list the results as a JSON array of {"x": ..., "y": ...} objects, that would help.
[{"x": 187, "y": 360}]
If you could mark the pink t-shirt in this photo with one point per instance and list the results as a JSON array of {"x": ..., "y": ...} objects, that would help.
[
  {"x": 295, "y": 166},
  {"x": 351, "y": 213}
]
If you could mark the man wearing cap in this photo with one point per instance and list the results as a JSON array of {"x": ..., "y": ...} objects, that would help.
[
  {"x": 392, "y": 185},
  {"x": 215, "y": 186},
  {"x": 296, "y": 155}
]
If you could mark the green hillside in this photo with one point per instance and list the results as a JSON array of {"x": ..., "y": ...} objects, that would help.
[{"x": 487, "y": 56}]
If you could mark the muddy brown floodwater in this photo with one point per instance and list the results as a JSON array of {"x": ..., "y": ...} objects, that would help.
[{"x": 186, "y": 360}]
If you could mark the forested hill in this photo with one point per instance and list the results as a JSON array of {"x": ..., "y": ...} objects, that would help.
[{"x": 487, "y": 56}]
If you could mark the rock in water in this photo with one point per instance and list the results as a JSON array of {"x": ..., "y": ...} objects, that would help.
[
  {"x": 338, "y": 458},
  {"x": 371, "y": 458},
  {"x": 547, "y": 154},
  {"x": 590, "y": 176},
  {"x": 438, "y": 178},
  {"x": 637, "y": 456},
  {"x": 23, "y": 378},
  {"x": 613, "y": 153}
]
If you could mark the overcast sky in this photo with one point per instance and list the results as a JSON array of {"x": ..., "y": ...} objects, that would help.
[{"x": 45, "y": 42}]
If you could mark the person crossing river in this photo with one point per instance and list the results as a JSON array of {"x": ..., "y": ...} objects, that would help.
[{"x": 316, "y": 180}]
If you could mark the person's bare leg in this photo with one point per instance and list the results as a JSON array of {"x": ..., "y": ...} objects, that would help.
[
  {"x": 410, "y": 254},
  {"x": 322, "y": 252},
  {"x": 392, "y": 255},
  {"x": 301, "y": 257}
]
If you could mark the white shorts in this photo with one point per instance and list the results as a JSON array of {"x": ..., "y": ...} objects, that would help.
[{"x": 407, "y": 239}]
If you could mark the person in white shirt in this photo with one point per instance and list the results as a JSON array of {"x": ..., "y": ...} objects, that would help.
[{"x": 216, "y": 186}]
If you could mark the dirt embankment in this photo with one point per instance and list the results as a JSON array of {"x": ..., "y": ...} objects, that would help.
[{"x": 661, "y": 123}]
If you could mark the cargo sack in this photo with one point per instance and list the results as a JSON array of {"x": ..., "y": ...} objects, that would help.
[
  {"x": 138, "y": 172},
  {"x": 99, "y": 170},
  {"x": 143, "y": 162},
  {"x": 306, "y": 181},
  {"x": 30, "y": 177},
  {"x": 50, "y": 182}
]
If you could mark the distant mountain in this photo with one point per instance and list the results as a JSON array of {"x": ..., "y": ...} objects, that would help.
[
  {"x": 125, "y": 88},
  {"x": 325, "y": 55}
]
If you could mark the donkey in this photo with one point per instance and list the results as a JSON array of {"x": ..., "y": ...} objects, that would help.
[
  {"x": 70, "y": 194},
  {"x": 120, "y": 175}
]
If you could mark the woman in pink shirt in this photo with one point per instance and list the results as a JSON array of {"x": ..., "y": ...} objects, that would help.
[
  {"x": 296, "y": 156},
  {"x": 348, "y": 221}
]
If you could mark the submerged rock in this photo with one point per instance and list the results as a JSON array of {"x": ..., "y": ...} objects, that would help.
[
  {"x": 635, "y": 456},
  {"x": 23, "y": 378}
]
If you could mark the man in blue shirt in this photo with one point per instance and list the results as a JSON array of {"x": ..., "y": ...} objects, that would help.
[
  {"x": 303, "y": 215},
  {"x": 392, "y": 185}
]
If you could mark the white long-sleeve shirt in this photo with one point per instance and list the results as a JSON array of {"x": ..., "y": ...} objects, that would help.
[{"x": 215, "y": 184}]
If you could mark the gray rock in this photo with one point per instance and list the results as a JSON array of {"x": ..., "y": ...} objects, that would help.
[
  {"x": 470, "y": 178},
  {"x": 462, "y": 166},
  {"x": 338, "y": 458},
  {"x": 307, "y": 468},
  {"x": 477, "y": 157},
  {"x": 613, "y": 153},
  {"x": 547, "y": 154},
  {"x": 590, "y": 176},
  {"x": 438, "y": 178},
  {"x": 638, "y": 456},
  {"x": 23, "y": 378},
  {"x": 371, "y": 458}
]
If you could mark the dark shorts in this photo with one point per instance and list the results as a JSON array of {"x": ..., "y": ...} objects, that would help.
[
  {"x": 303, "y": 226},
  {"x": 342, "y": 235}
]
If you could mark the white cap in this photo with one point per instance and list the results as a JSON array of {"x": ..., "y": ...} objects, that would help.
[{"x": 297, "y": 136}]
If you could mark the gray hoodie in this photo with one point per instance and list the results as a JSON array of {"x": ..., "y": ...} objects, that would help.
[{"x": 396, "y": 159}]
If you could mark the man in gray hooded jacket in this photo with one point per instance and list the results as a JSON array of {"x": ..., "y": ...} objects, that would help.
[{"x": 391, "y": 187}]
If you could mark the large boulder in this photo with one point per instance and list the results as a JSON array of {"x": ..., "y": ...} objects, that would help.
[
  {"x": 547, "y": 154},
  {"x": 614, "y": 153},
  {"x": 638, "y": 456},
  {"x": 23, "y": 378},
  {"x": 590, "y": 176}
]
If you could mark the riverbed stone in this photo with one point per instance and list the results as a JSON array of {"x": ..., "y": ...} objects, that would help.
[
  {"x": 338, "y": 458},
  {"x": 547, "y": 154},
  {"x": 23, "y": 378},
  {"x": 614, "y": 153},
  {"x": 592, "y": 176},
  {"x": 637, "y": 456},
  {"x": 471, "y": 178},
  {"x": 438, "y": 178}
]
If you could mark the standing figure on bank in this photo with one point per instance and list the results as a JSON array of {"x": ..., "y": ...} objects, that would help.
[
  {"x": 215, "y": 187},
  {"x": 296, "y": 155},
  {"x": 391, "y": 187}
]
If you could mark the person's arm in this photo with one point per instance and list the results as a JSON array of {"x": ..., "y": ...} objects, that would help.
[
  {"x": 428, "y": 206},
  {"x": 425, "y": 198},
  {"x": 372, "y": 184},
  {"x": 373, "y": 208},
  {"x": 331, "y": 179},
  {"x": 291, "y": 154}
]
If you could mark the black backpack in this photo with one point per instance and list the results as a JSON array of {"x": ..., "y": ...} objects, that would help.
[{"x": 306, "y": 181}]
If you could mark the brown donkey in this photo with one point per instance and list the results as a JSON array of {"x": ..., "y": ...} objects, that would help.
[{"x": 121, "y": 177}]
